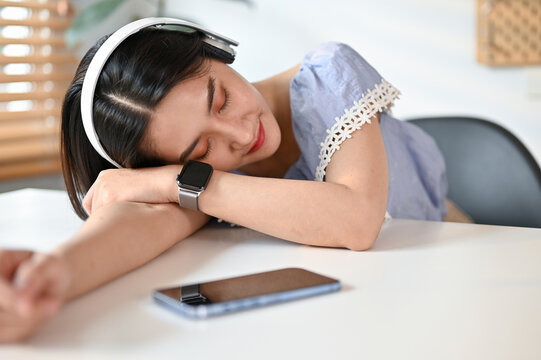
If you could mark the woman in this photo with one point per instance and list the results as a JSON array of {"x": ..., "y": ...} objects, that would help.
[{"x": 165, "y": 98}]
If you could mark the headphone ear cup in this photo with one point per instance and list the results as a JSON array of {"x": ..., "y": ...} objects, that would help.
[{"x": 219, "y": 53}]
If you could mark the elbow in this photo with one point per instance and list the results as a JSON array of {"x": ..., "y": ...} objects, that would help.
[
  {"x": 361, "y": 236},
  {"x": 360, "y": 243},
  {"x": 339, "y": 236},
  {"x": 348, "y": 237}
]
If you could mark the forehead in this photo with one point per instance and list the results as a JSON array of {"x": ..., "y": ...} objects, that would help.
[
  {"x": 188, "y": 93},
  {"x": 173, "y": 120},
  {"x": 190, "y": 97}
]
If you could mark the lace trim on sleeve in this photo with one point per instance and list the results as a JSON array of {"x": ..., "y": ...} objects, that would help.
[{"x": 373, "y": 101}]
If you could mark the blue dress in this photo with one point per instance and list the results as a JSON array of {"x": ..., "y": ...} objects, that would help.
[{"x": 335, "y": 93}]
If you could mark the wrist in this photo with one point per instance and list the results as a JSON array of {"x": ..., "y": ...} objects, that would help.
[
  {"x": 192, "y": 181},
  {"x": 63, "y": 274},
  {"x": 168, "y": 184},
  {"x": 209, "y": 198}
]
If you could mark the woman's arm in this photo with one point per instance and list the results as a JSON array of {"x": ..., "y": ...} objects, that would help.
[
  {"x": 346, "y": 210},
  {"x": 117, "y": 238},
  {"x": 122, "y": 236}
]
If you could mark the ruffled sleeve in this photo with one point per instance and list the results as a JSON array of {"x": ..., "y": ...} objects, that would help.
[{"x": 334, "y": 93}]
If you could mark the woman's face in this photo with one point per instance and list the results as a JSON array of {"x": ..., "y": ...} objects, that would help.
[{"x": 218, "y": 118}]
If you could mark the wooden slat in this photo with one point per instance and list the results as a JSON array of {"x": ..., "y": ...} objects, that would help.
[
  {"x": 29, "y": 115},
  {"x": 34, "y": 40},
  {"x": 26, "y": 130},
  {"x": 28, "y": 146},
  {"x": 29, "y": 149},
  {"x": 39, "y": 59},
  {"x": 55, "y": 23},
  {"x": 35, "y": 5},
  {"x": 32, "y": 95},
  {"x": 30, "y": 168},
  {"x": 37, "y": 76}
]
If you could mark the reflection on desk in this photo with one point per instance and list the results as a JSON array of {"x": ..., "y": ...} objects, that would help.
[{"x": 427, "y": 290}]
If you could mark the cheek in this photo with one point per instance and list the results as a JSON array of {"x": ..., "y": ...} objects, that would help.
[
  {"x": 222, "y": 159},
  {"x": 273, "y": 135}
]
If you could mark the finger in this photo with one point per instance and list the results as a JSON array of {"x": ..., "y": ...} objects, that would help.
[
  {"x": 7, "y": 295},
  {"x": 15, "y": 334},
  {"x": 9, "y": 319},
  {"x": 46, "y": 307},
  {"x": 39, "y": 308},
  {"x": 10, "y": 259},
  {"x": 14, "y": 328},
  {"x": 29, "y": 283},
  {"x": 57, "y": 277},
  {"x": 38, "y": 280},
  {"x": 87, "y": 201}
]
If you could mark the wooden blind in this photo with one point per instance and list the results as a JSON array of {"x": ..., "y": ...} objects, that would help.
[{"x": 35, "y": 70}]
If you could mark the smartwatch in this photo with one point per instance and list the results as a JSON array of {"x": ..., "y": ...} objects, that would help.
[{"x": 191, "y": 181}]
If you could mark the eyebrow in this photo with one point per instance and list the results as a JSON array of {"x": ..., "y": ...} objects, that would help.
[
  {"x": 210, "y": 94},
  {"x": 211, "y": 88}
]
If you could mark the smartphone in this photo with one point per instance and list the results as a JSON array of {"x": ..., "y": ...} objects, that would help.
[{"x": 244, "y": 292}]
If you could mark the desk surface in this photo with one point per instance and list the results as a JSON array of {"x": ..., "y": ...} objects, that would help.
[{"x": 427, "y": 290}]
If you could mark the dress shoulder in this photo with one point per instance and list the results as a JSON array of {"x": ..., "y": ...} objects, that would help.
[
  {"x": 337, "y": 69},
  {"x": 334, "y": 93}
]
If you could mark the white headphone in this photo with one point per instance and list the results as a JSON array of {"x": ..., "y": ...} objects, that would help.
[{"x": 218, "y": 42}]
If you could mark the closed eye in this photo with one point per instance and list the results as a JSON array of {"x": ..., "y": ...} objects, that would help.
[
  {"x": 206, "y": 154},
  {"x": 227, "y": 101}
]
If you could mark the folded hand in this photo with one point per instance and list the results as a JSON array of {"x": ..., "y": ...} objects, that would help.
[
  {"x": 149, "y": 185},
  {"x": 33, "y": 287}
]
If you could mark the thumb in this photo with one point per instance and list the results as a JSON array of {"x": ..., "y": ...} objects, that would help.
[{"x": 87, "y": 200}]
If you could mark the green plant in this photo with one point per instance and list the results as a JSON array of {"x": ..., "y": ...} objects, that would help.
[
  {"x": 96, "y": 13},
  {"x": 89, "y": 17}
]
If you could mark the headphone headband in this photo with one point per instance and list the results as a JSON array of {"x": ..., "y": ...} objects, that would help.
[{"x": 106, "y": 49}]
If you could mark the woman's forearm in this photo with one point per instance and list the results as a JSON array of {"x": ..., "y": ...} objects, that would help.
[
  {"x": 308, "y": 212},
  {"x": 120, "y": 237}
]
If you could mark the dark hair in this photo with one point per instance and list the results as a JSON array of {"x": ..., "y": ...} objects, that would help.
[{"x": 135, "y": 78}]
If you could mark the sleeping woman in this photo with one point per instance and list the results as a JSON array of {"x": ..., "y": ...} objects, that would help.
[{"x": 311, "y": 155}]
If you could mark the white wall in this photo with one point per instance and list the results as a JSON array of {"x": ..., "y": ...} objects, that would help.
[{"x": 426, "y": 48}]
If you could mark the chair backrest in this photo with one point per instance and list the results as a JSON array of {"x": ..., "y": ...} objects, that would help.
[{"x": 491, "y": 175}]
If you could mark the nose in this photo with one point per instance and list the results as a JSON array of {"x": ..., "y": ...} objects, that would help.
[{"x": 237, "y": 132}]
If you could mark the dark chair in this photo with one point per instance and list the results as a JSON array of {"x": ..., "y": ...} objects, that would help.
[{"x": 491, "y": 175}]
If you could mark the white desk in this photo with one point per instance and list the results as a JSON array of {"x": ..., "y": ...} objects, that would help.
[{"x": 427, "y": 290}]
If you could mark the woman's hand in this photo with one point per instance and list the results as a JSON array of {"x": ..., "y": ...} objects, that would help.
[
  {"x": 149, "y": 185},
  {"x": 32, "y": 289}
]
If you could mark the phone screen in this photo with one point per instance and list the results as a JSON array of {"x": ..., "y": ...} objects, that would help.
[{"x": 248, "y": 291}]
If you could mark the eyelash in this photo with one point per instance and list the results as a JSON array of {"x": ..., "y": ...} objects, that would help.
[
  {"x": 206, "y": 154},
  {"x": 227, "y": 100}
]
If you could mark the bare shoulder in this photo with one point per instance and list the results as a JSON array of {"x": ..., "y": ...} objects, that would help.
[{"x": 289, "y": 73}]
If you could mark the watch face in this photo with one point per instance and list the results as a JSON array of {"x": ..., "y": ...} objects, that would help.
[{"x": 195, "y": 175}]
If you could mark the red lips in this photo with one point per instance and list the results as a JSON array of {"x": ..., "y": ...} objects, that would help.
[{"x": 260, "y": 139}]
